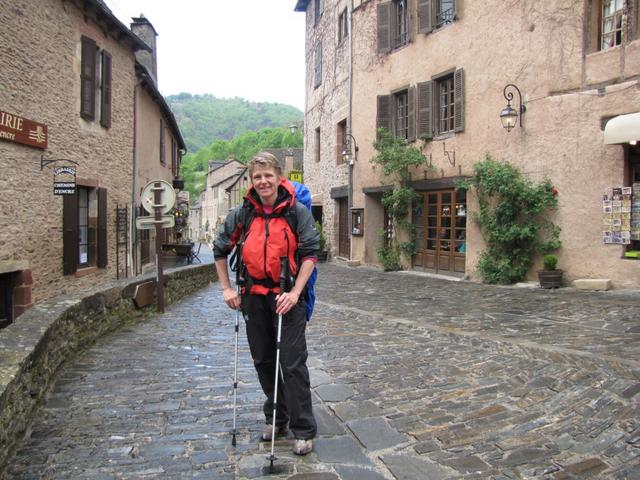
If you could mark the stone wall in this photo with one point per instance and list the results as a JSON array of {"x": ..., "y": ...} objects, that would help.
[{"x": 34, "y": 349}]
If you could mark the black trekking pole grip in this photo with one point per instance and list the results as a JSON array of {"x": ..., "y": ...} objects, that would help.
[{"x": 284, "y": 267}]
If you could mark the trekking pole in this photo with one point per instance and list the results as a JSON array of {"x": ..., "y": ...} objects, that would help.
[
  {"x": 239, "y": 283},
  {"x": 283, "y": 282},
  {"x": 235, "y": 374}
]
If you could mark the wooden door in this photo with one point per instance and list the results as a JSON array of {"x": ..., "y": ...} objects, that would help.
[
  {"x": 343, "y": 228},
  {"x": 440, "y": 221}
]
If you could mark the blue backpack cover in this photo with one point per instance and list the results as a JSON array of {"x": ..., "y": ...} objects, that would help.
[{"x": 303, "y": 195}]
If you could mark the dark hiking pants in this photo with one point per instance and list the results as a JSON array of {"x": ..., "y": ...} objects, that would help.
[{"x": 294, "y": 393}]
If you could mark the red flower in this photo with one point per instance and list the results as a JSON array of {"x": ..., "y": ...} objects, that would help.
[{"x": 554, "y": 191}]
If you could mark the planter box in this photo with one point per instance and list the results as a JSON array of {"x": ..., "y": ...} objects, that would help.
[{"x": 550, "y": 278}]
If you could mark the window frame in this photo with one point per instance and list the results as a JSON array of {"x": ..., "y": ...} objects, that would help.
[
  {"x": 445, "y": 114},
  {"x": 317, "y": 144},
  {"x": 88, "y": 76},
  {"x": 317, "y": 66},
  {"x": 341, "y": 140},
  {"x": 343, "y": 26},
  {"x": 163, "y": 160}
]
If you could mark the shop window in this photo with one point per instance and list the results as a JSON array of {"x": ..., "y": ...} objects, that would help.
[{"x": 85, "y": 229}]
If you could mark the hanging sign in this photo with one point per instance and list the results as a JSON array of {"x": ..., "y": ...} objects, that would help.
[
  {"x": 64, "y": 181},
  {"x": 295, "y": 175},
  {"x": 21, "y": 130}
]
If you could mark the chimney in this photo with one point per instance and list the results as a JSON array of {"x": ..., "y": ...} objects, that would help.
[{"x": 145, "y": 31}]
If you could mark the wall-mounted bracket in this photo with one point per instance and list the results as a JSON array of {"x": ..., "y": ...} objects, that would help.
[
  {"x": 448, "y": 154},
  {"x": 45, "y": 162}
]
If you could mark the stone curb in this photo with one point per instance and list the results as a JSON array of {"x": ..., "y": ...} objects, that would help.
[{"x": 33, "y": 349}]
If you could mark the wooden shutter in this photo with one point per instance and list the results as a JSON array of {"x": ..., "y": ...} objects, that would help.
[
  {"x": 88, "y": 79},
  {"x": 458, "y": 100},
  {"x": 383, "y": 119},
  {"x": 162, "y": 159},
  {"x": 425, "y": 109},
  {"x": 425, "y": 16},
  {"x": 105, "y": 105},
  {"x": 318, "y": 66},
  {"x": 102, "y": 228},
  {"x": 411, "y": 114},
  {"x": 70, "y": 233},
  {"x": 384, "y": 27}
]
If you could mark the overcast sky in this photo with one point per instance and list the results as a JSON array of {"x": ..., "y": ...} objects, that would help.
[{"x": 252, "y": 49}]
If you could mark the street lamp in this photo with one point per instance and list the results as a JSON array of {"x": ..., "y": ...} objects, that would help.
[
  {"x": 346, "y": 151},
  {"x": 509, "y": 115}
]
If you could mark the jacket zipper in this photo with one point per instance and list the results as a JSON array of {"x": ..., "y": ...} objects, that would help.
[{"x": 266, "y": 240}]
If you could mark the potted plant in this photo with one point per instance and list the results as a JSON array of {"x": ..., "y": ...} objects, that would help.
[
  {"x": 322, "y": 254},
  {"x": 550, "y": 276}
]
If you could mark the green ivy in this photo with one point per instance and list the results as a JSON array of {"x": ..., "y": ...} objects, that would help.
[
  {"x": 396, "y": 157},
  {"x": 512, "y": 220}
]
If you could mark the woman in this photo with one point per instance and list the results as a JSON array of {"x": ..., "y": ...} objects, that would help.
[{"x": 262, "y": 232}]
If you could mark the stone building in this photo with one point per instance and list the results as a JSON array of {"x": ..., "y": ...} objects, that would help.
[
  {"x": 68, "y": 80},
  {"x": 435, "y": 72},
  {"x": 215, "y": 200},
  {"x": 159, "y": 145}
]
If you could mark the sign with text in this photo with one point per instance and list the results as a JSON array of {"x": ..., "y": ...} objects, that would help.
[
  {"x": 21, "y": 130},
  {"x": 64, "y": 181},
  {"x": 295, "y": 175}
]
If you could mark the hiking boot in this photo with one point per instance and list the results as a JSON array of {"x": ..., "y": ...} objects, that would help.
[
  {"x": 302, "y": 447},
  {"x": 280, "y": 431}
]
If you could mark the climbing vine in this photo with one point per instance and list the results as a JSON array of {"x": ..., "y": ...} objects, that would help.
[
  {"x": 396, "y": 157},
  {"x": 512, "y": 220}
]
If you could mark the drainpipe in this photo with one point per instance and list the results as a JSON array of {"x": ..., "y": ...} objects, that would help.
[
  {"x": 350, "y": 131},
  {"x": 133, "y": 237}
]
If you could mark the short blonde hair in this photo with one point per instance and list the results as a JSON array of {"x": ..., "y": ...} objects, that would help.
[{"x": 264, "y": 160}]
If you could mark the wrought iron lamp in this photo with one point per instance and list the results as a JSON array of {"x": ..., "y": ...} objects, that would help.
[
  {"x": 510, "y": 115},
  {"x": 346, "y": 152}
]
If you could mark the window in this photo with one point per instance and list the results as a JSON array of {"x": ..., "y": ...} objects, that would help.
[
  {"x": 393, "y": 25},
  {"x": 444, "y": 12},
  {"x": 401, "y": 123},
  {"x": 341, "y": 141},
  {"x": 85, "y": 229},
  {"x": 446, "y": 105},
  {"x": 317, "y": 69},
  {"x": 396, "y": 113},
  {"x": 93, "y": 64},
  {"x": 611, "y": 26},
  {"x": 88, "y": 79},
  {"x": 105, "y": 91},
  {"x": 317, "y": 153},
  {"x": 174, "y": 157},
  {"x": 343, "y": 26},
  {"x": 162, "y": 159},
  {"x": 433, "y": 14},
  {"x": 318, "y": 9}
]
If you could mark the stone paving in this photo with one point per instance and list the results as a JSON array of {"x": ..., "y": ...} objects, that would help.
[{"x": 413, "y": 378}]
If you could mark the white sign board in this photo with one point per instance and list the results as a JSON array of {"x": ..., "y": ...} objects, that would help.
[
  {"x": 167, "y": 196},
  {"x": 147, "y": 223}
]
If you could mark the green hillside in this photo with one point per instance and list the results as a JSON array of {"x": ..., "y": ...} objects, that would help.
[
  {"x": 205, "y": 118},
  {"x": 243, "y": 147}
]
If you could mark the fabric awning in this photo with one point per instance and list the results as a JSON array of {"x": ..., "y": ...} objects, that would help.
[{"x": 622, "y": 129}]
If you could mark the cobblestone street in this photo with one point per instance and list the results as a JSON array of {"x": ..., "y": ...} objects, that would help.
[{"x": 413, "y": 377}]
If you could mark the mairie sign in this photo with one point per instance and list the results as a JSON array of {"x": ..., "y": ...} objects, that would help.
[{"x": 14, "y": 128}]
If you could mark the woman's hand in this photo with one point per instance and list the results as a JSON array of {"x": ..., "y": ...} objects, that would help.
[
  {"x": 231, "y": 298},
  {"x": 286, "y": 301}
]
